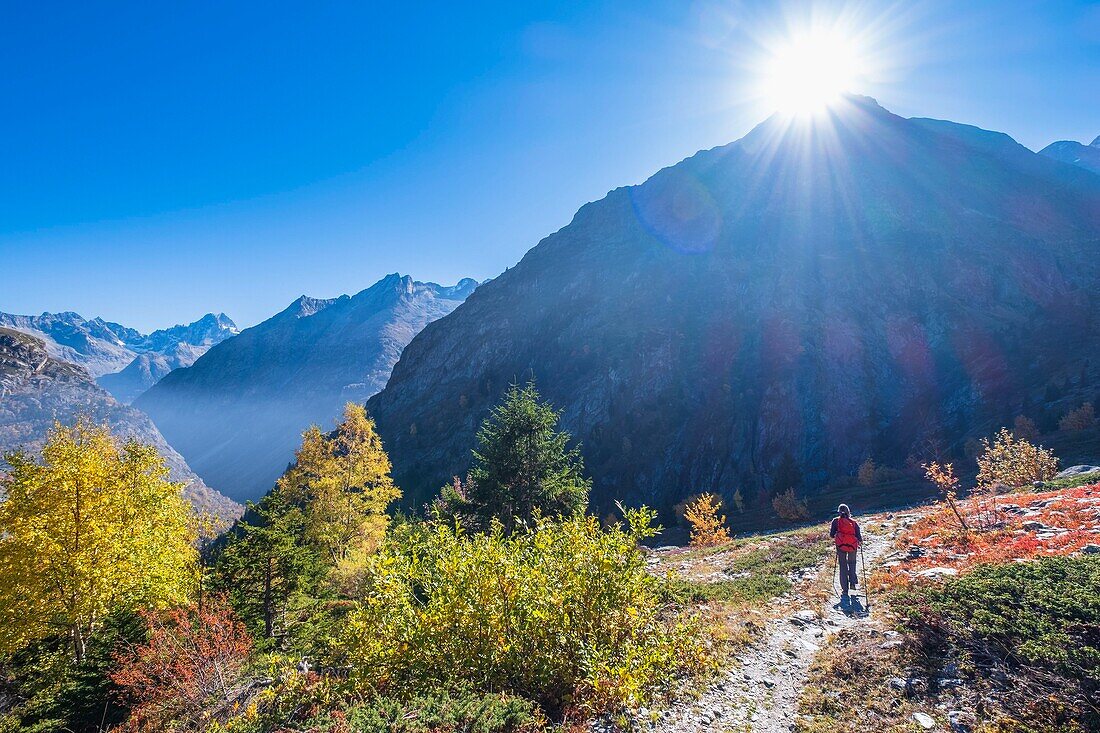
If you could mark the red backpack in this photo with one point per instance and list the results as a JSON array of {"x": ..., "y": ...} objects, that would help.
[{"x": 846, "y": 534}]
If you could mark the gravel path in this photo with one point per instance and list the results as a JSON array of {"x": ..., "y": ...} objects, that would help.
[{"x": 760, "y": 691}]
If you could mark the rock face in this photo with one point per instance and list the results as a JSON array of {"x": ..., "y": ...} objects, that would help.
[
  {"x": 773, "y": 311},
  {"x": 36, "y": 389},
  {"x": 165, "y": 351},
  {"x": 238, "y": 412},
  {"x": 124, "y": 361},
  {"x": 1073, "y": 152}
]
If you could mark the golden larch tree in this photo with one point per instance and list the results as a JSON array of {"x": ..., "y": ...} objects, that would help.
[
  {"x": 92, "y": 527},
  {"x": 343, "y": 481}
]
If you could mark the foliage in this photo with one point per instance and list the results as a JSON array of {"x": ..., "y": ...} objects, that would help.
[
  {"x": 561, "y": 612},
  {"x": 1083, "y": 418},
  {"x": 1076, "y": 512},
  {"x": 944, "y": 479},
  {"x": 93, "y": 528},
  {"x": 708, "y": 528},
  {"x": 1041, "y": 617},
  {"x": 269, "y": 571},
  {"x": 1025, "y": 428},
  {"x": 522, "y": 468},
  {"x": 866, "y": 473},
  {"x": 48, "y": 692},
  {"x": 789, "y": 507},
  {"x": 343, "y": 480},
  {"x": 434, "y": 712},
  {"x": 1072, "y": 482},
  {"x": 1013, "y": 461},
  {"x": 192, "y": 660}
]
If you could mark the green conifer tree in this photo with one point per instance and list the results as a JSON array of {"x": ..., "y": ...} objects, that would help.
[{"x": 523, "y": 466}]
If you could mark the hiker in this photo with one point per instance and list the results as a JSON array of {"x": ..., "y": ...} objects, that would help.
[{"x": 845, "y": 533}]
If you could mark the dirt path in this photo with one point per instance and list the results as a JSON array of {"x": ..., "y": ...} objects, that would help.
[{"x": 760, "y": 691}]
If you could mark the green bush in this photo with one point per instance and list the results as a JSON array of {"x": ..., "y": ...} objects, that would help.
[
  {"x": 50, "y": 692},
  {"x": 469, "y": 713},
  {"x": 1045, "y": 613},
  {"x": 563, "y": 613}
]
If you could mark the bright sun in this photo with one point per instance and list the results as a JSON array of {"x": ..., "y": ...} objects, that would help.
[{"x": 809, "y": 71}]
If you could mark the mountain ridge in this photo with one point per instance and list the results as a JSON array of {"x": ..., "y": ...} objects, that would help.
[
  {"x": 37, "y": 388},
  {"x": 237, "y": 413},
  {"x": 720, "y": 325}
]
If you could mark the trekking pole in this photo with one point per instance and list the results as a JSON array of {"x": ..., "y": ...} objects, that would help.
[
  {"x": 866, "y": 580},
  {"x": 832, "y": 579}
]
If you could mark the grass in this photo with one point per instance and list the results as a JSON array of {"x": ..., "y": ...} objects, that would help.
[
  {"x": 1069, "y": 482},
  {"x": 754, "y": 570}
]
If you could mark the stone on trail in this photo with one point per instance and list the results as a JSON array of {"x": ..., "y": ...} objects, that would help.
[
  {"x": 924, "y": 720},
  {"x": 937, "y": 572}
]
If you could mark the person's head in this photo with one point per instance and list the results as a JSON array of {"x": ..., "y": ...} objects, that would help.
[{"x": 843, "y": 510}]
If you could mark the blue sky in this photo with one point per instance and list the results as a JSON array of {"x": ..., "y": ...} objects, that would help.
[{"x": 164, "y": 160}]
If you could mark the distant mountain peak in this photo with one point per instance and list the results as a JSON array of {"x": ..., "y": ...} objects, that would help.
[
  {"x": 1095, "y": 143},
  {"x": 296, "y": 368}
]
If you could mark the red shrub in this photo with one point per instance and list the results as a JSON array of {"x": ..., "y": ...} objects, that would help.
[{"x": 192, "y": 660}]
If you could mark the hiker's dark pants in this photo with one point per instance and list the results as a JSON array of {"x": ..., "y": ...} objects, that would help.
[{"x": 846, "y": 561}]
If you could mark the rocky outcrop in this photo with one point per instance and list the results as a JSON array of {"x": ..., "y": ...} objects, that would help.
[
  {"x": 36, "y": 389},
  {"x": 238, "y": 412},
  {"x": 775, "y": 310}
]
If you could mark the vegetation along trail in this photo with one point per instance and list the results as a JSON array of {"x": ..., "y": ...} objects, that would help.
[{"x": 759, "y": 689}]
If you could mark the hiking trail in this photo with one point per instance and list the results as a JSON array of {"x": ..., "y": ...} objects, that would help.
[{"x": 758, "y": 690}]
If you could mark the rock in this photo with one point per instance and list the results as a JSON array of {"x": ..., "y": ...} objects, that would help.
[
  {"x": 937, "y": 572},
  {"x": 1077, "y": 470},
  {"x": 803, "y": 617},
  {"x": 1091, "y": 549},
  {"x": 898, "y": 683},
  {"x": 1034, "y": 526},
  {"x": 924, "y": 720}
]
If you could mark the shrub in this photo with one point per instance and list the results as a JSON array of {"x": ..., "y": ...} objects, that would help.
[
  {"x": 1012, "y": 461},
  {"x": 1083, "y": 418},
  {"x": 866, "y": 473},
  {"x": 433, "y": 712},
  {"x": 561, "y": 612},
  {"x": 943, "y": 477},
  {"x": 1025, "y": 428},
  {"x": 192, "y": 660},
  {"x": 48, "y": 692},
  {"x": 1041, "y": 617},
  {"x": 708, "y": 528},
  {"x": 789, "y": 507}
]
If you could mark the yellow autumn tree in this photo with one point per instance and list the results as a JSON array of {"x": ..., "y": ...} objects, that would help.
[
  {"x": 343, "y": 481},
  {"x": 708, "y": 526},
  {"x": 91, "y": 526}
]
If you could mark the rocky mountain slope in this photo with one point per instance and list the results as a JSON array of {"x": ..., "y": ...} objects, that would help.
[
  {"x": 166, "y": 350},
  {"x": 771, "y": 312},
  {"x": 238, "y": 412},
  {"x": 36, "y": 389},
  {"x": 125, "y": 361},
  {"x": 1071, "y": 151}
]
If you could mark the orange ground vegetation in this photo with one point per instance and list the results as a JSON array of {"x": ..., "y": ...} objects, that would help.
[{"x": 1003, "y": 529}]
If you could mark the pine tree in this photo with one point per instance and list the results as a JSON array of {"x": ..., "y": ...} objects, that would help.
[
  {"x": 522, "y": 466},
  {"x": 267, "y": 568},
  {"x": 94, "y": 527}
]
